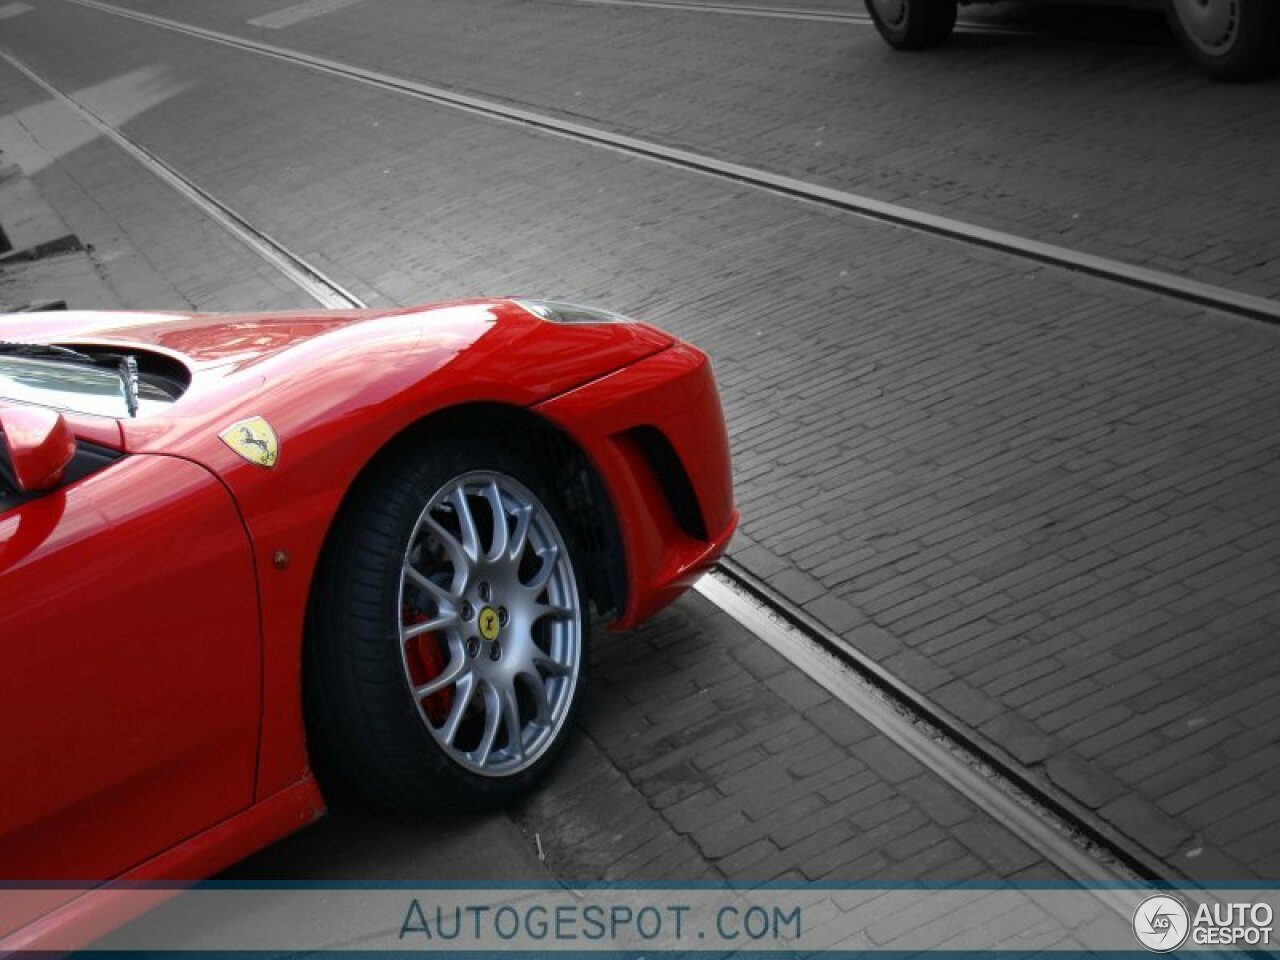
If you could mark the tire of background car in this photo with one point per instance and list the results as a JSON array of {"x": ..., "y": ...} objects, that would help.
[
  {"x": 913, "y": 24},
  {"x": 445, "y": 650},
  {"x": 1229, "y": 39}
]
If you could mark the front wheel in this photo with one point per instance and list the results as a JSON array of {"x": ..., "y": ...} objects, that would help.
[
  {"x": 1230, "y": 39},
  {"x": 913, "y": 24},
  {"x": 447, "y": 632}
]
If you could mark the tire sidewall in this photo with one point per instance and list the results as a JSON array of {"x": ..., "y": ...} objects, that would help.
[
  {"x": 895, "y": 33},
  {"x": 405, "y": 484},
  {"x": 925, "y": 23}
]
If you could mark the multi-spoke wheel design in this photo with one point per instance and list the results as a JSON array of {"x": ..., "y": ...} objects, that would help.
[
  {"x": 447, "y": 633},
  {"x": 1231, "y": 39},
  {"x": 490, "y": 631},
  {"x": 1212, "y": 25}
]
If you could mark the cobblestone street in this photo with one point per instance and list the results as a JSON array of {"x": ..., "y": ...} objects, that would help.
[{"x": 1043, "y": 502}]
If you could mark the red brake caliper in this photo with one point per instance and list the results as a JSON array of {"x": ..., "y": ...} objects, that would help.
[{"x": 427, "y": 656}]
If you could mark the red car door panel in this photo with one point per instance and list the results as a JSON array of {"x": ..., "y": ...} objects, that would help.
[{"x": 130, "y": 642}]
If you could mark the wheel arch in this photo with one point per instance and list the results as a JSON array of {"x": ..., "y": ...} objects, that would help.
[{"x": 562, "y": 464}]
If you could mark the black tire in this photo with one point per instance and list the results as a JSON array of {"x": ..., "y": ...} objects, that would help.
[
  {"x": 913, "y": 24},
  {"x": 369, "y": 737},
  {"x": 1232, "y": 40}
]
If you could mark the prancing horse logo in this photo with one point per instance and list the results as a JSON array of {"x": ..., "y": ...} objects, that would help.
[
  {"x": 254, "y": 440},
  {"x": 489, "y": 623}
]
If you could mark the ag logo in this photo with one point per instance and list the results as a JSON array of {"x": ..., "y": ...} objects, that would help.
[
  {"x": 254, "y": 440},
  {"x": 1161, "y": 923}
]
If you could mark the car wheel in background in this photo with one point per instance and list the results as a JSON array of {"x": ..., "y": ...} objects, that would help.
[
  {"x": 447, "y": 632},
  {"x": 913, "y": 24},
  {"x": 1230, "y": 39}
]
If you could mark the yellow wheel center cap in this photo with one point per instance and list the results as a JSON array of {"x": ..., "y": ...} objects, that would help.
[{"x": 488, "y": 623}]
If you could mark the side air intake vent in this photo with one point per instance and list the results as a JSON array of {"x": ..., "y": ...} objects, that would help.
[{"x": 672, "y": 479}]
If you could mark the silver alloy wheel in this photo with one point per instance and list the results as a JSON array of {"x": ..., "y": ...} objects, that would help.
[
  {"x": 1212, "y": 25},
  {"x": 490, "y": 623},
  {"x": 893, "y": 12}
]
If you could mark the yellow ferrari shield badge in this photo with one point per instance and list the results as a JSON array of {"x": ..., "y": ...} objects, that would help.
[
  {"x": 254, "y": 440},
  {"x": 488, "y": 623}
]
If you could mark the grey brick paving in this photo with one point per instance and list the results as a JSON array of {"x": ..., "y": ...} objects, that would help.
[
  {"x": 72, "y": 277},
  {"x": 1014, "y": 459},
  {"x": 1155, "y": 177},
  {"x": 148, "y": 247},
  {"x": 799, "y": 793}
]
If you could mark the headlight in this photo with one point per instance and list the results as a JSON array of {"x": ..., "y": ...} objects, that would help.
[{"x": 554, "y": 312}]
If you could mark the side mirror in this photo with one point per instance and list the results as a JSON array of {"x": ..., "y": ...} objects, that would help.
[{"x": 40, "y": 446}]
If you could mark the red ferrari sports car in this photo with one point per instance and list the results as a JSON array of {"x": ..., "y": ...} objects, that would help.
[{"x": 238, "y": 552}]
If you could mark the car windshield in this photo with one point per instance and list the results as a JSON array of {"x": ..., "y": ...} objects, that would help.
[
  {"x": 66, "y": 385},
  {"x": 107, "y": 385}
]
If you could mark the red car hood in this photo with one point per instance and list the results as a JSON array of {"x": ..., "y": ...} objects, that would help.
[{"x": 493, "y": 350}]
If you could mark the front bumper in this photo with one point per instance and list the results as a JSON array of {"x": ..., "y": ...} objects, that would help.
[{"x": 673, "y": 393}]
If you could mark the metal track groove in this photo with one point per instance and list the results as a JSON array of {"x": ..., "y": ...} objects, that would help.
[
  {"x": 1053, "y": 804},
  {"x": 786, "y": 13}
]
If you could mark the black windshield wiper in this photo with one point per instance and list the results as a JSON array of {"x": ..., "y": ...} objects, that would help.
[
  {"x": 129, "y": 376},
  {"x": 44, "y": 351}
]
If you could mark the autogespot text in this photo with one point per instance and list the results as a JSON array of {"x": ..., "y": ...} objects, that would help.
[{"x": 595, "y": 923}]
